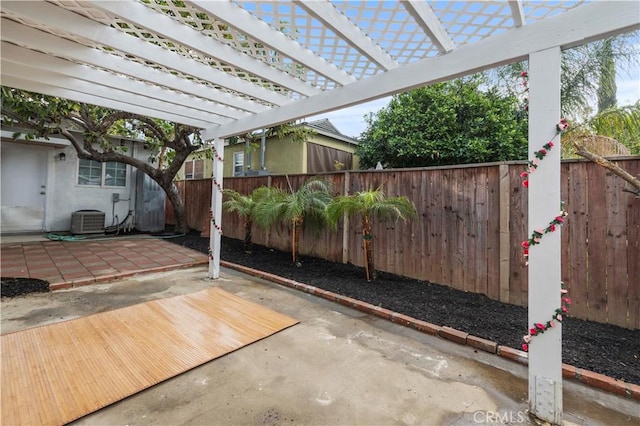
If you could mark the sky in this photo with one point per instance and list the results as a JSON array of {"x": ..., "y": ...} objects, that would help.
[{"x": 350, "y": 121}]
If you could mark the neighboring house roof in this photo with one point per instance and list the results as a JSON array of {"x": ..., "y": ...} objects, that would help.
[{"x": 326, "y": 128}]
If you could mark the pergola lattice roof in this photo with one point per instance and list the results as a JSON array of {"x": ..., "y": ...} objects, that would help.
[{"x": 234, "y": 66}]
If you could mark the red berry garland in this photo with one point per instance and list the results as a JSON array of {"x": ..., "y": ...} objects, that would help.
[{"x": 557, "y": 317}]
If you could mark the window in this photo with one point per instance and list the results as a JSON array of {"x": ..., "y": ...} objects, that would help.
[
  {"x": 115, "y": 174},
  {"x": 238, "y": 163},
  {"x": 89, "y": 172},
  {"x": 94, "y": 173},
  {"x": 194, "y": 169}
]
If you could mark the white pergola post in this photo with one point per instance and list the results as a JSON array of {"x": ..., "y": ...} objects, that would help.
[
  {"x": 545, "y": 350},
  {"x": 216, "y": 210}
]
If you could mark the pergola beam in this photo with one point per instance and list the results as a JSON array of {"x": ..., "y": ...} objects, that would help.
[
  {"x": 578, "y": 26},
  {"x": 56, "y": 79},
  {"x": 40, "y": 64},
  {"x": 33, "y": 39},
  {"x": 59, "y": 19},
  {"x": 246, "y": 23},
  {"x": 47, "y": 89},
  {"x": 430, "y": 24},
  {"x": 324, "y": 12},
  {"x": 517, "y": 12}
]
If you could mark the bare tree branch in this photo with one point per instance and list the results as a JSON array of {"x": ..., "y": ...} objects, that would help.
[{"x": 617, "y": 170}]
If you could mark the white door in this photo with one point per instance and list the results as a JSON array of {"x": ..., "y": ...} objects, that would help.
[{"x": 24, "y": 187}]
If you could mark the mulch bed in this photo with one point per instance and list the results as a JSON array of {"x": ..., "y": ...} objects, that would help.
[
  {"x": 11, "y": 287},
  {"x": 606, "y": 349}
]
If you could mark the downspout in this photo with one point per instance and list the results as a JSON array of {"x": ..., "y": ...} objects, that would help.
[
  {"x": 247, "y": 153},
  {"x": 263, "y": 149}
]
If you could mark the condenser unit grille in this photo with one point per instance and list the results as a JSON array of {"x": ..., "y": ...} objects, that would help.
[{"x": 87, "y": 222}]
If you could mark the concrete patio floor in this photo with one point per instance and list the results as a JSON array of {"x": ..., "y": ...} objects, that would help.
[{"x": 338, "y": 366}]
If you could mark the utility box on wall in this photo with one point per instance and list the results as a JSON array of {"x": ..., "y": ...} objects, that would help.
[{"x": 149, "y": 204}]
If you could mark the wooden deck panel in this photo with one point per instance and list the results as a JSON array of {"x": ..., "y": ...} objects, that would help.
[{"x": 57, "y": 373}]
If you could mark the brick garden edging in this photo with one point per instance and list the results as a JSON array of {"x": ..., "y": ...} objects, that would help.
[
  {"x": 590, "y": 378},
  {"x": 120, "y": 275}
]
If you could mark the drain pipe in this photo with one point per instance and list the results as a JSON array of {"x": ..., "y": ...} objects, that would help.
[
  {"x": 263, "y": 148},
  {"x": 247, "y": 153}
]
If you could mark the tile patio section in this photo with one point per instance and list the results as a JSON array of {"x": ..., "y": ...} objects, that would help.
[{"x": 67, "y": 264}]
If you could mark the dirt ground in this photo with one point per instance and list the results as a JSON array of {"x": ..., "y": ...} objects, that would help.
[{"x": 605, "y": 349}]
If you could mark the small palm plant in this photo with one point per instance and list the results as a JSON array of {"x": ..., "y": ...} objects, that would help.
[
  {"x": 295, "y": 209},
  {"x": 245, "y": 208},
  {"x": 370, "y": 205}
]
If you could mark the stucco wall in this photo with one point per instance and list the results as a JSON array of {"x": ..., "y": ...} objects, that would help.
[
  {"x": 282, "y": 156},
  {"x": 66, "y": 196},
  {"x": 63, "y": 194}
]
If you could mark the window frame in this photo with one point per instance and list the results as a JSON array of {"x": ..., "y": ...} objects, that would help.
[
  {"x": 238, "y": 155},
  {"x": 193, "y": 163},
  {"x": 103, "y": 173}
]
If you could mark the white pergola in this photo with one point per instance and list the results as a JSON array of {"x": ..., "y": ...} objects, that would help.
[{"x": 231, "y": 67}]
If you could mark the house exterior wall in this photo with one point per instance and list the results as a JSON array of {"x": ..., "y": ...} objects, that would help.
[
  {"x": 63, "y": 195},
  {"x": 338, "y": 144},
  {"x": 285, "y": 156},
  {"x": 281, "y": 156},
  {"x": 66, "y": 196}
]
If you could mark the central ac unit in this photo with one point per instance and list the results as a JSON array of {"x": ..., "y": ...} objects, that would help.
[{"x": 87, "y": 222}]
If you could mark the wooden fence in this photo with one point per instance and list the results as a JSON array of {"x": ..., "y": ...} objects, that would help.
[{"x": 472, "y": 220}]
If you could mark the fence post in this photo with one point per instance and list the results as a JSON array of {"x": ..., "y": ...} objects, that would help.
[
  {"x": 345, "y": 221},
  {"x": 505, "y": 234}
]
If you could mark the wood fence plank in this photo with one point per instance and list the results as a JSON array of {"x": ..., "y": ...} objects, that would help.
[
  {"x": 480, "y": 246},
  {"x": 492, "y": 231},
  {"x": 459, "y": 207},
  {"x": 616, "y": 235},
  {"x": 448, "y": 228},
  {"x": 518, "y": 290},
  {"x": 425, "y": 222},
  {"x": 436, "y": 213},
  {"x": 577, "y": 282},
  {"x": 597, "y": 243},
  {"x": 633, "y": 250}
]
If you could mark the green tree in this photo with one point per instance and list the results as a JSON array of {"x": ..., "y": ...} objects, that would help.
[
  {"x": 613, "y": 131},
  {"x": 245, "y": 207},
  {"x": 369, "y": 206},
  {"x": 607, "y": 87},
  {"x": 445, "y": 123},
  {"x": 89, "y": 129},
  {"x": 305, "y": 207},
  {"x": 588, "y": 75}
]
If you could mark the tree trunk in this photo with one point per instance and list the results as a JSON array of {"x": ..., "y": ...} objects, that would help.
[
  {"x": 248, "y": 239},
  {"x": 295, "y": 239},
  {"x": 179, "y": 211},
  {"x": 367, "y": 240}
]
